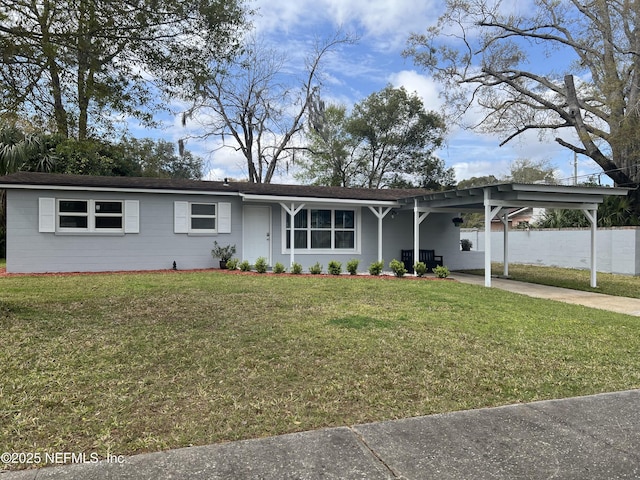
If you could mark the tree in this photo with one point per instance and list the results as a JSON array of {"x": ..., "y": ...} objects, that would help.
[
  {"x": 330, "y": 159},
  {"x": 478, "y": 50},
  {"x": 20, "y": 151},
  {"x": 478, "y": 181},
  {"x": 159, "y": 159},
  {"x": 250, "y": 102},
  {"x": 524, "y": 170},
  {"x": 430, "y": 173},
  {"x": 72, "y": 66},
  {"x": 396, "y": 135},
  {"x": 612, "y": 212},
  {"x": 387, "y": 141},
  {"x": 24, "y": 151}
]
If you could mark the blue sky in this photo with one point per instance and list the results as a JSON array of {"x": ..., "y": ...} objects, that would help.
[{"x": 355, "y": 71}]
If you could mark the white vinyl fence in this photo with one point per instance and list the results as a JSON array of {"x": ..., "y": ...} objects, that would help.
[{"x": 617, "y": 249}]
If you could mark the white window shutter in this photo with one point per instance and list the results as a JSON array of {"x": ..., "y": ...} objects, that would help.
[
  {"x": 131, "y": 216},
  {"x": 180, "y": 217},
  {"x": 224, "y": 217},
  {"x": 46, "y": 215}
]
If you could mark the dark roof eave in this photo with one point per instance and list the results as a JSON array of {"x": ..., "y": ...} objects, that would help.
[{"x": 43, "y": 180}]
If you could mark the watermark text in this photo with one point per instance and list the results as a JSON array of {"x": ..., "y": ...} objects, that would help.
[{"x": 42, "y": 458}]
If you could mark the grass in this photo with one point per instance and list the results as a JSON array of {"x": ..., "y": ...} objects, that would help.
[
  {"x": 610, "y": 284},
  {"x": 123, "y": 364}
]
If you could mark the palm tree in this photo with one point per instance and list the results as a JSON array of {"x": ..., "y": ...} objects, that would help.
[
  {"x": 616, "y": 212},
  {"x": 18, "y": 151},
  {"x": 613, "y": 212}
]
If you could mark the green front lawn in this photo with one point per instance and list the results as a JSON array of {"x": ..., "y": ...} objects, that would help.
[
  {"x": 619, "y": 285},
  {"x": 122, "y": 364}
]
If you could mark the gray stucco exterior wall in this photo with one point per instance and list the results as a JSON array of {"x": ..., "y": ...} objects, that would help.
[
  {"x": 155, "y": 247},
  {"x": 436, "y": 233}
]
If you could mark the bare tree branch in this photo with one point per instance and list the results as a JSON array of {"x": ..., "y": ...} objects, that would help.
[
  {"x": 598, "y": 101},
  {"x": 248, "y": 102}
]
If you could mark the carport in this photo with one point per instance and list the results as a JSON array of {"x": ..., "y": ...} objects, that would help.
[{"x": 496, "y": 201}]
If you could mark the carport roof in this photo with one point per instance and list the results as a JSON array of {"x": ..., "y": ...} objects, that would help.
[{"x": 517, "y": 195}]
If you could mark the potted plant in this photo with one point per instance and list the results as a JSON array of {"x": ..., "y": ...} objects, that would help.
[
  {"x": 466, "y": 244},
  {"x": 223, "y": 253},
  {"x": 457, "y": 221}
]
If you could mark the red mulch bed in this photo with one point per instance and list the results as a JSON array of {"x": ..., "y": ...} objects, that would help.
[{"x": 3, "y": 273}]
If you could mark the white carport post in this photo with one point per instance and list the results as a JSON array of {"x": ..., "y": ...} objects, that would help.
[
  {"x": 380, "y": 213},
  {"x": 292, "y": 211},
  {"x": 489, "y": 215},
  {"x": 505, "y": 242},
  {"x": 417, "y": 220},
  {"x": 592, "y": 215}
]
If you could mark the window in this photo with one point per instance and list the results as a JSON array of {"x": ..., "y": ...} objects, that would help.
[
  {"x": 203, "y": 217},
  {"x": 90, "y": 216},
  {"x": 73, "y": 214},
  {"x": 322, "y": 229},
  {"x": 108, "y": 215}
]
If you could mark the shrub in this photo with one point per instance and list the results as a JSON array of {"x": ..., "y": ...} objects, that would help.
[
  {"x": 279, "y": 268},
  {"x": 420, "y": 268},
  {"x": 397, "y": 267},
  {"x": 315, "y": 269},
  {"x": 261, "y": 265},
  {"x": 335, "y": 267},
  {"x": 232, "y": 263},
  {"x": 352, "y": 266},
  {"x": 223, "y": 253},
  {"x": 441, "y": 272},
  {"x": 245, "y": 266},
  {"x": 296, "y": 268},
  {"x": 466, "y": 244},
  {"x": 376, "y": 268}
]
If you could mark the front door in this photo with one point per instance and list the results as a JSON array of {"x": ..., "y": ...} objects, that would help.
[{"x": 256, "y": 236}]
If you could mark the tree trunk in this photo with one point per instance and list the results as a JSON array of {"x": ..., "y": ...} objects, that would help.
[{"x": 609, "y": 166}]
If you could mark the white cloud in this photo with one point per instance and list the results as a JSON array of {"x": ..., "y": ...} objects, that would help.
[
  {"x": 385, "y": 23},
  {"x": 423, "y": 85}
]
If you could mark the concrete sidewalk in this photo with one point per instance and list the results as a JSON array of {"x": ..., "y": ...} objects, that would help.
[
  {"x": 593, "y": 437},
  {"x": 629, "y": 306}
]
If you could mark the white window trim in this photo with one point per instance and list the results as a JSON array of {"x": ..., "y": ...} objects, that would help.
[
  {"x": 182, "y": 218},
  {"x": 49, "y": 217},
  {"x": 326, "y": 251},
  {"x": 91, "y": 216},
  {"x": 192, "y": 216}
]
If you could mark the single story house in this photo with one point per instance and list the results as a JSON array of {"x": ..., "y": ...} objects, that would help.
[
  {"x": 518, "y": 218},
  {"x": 69, "y": 223}
]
